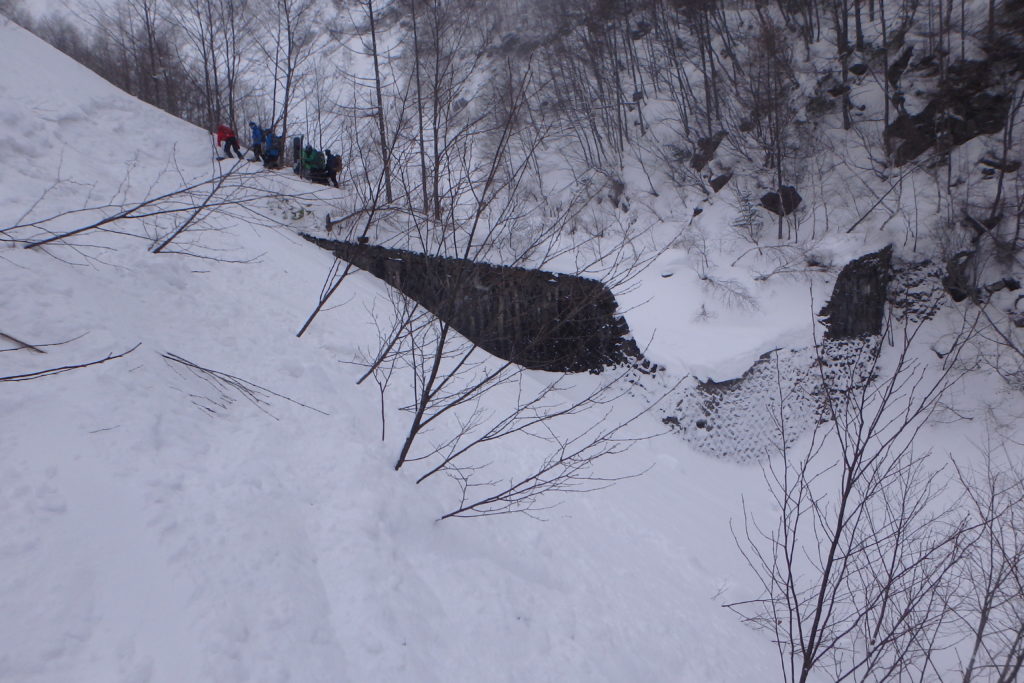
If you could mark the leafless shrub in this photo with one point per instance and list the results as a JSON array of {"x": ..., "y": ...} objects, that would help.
[
  {"x": 856, "y": 574},
  {"x": 227, "y": 388},
  {"x": 747, "y": 223},
  {"x": 989, "y": 612}
]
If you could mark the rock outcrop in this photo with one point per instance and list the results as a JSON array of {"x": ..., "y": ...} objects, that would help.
[
  {"x": 783, "y": 202},
  {"x": 969, "y": 102}
]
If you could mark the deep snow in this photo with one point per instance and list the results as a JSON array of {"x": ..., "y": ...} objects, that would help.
[{"x": 155, "y": 529}]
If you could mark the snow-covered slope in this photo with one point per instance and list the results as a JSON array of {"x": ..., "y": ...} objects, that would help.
[{"x": 157, "y": 527}]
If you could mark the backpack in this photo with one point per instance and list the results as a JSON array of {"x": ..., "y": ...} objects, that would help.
[{"x": 270, "y": 141}]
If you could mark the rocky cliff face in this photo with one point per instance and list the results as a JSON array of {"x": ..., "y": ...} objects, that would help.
[{"x": 971, "y": 100}]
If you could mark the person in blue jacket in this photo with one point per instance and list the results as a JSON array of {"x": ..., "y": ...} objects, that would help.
[
  {"x": 256, "y": 136},
  {"x": 271, "y": 149}
]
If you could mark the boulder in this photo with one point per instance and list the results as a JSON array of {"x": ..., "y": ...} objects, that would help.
[
  {"x": 783, "y": 202},
  {"x": 719, "y": 182},
  {"x": 706, "y": 148},
  {"x": 839, "y": 90}
]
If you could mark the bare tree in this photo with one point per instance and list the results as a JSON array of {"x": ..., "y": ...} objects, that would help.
[
  {"x": 161, "y": 219},
  {"x": 990, "y": 610},
  {"x": 856, "y": 572},
  {"x": 288, "y": 51}
]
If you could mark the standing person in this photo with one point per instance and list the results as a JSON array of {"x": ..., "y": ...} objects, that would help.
[
  {"x": 333, "y": 167},
  {"x": 227, "y": 136},
  {"x": 271, "y": 149},
  {"x": 308, "y": 155},
  {"x": 256, "y": 135}
]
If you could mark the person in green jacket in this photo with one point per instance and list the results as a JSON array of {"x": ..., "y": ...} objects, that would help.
[
  {"x": 313, "y": 159},
  {"x": 313, "y": 165}
]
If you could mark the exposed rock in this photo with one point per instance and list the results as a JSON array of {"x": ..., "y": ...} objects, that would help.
[
  {"x": 897, "y": 68},
  {"x": 838, "y": 90},
  {"x": 783, "y": 202},
  {"x": 719, "y": 182},
  {"x": 616, "y": 188},
  {"x": 857, "y": 306},
  {"x": 1008, "y": 166},
  {"x": 538, "y": 319},
  {"x": 858, "y": 69},
  {"x": 915, "y": 290},
  {"x": 958, "y": 281},
  {"x": 969, "y": 102},
  {"x": 1007, "y": 283},
  {"x": 908, "y": 137},
  {"x": 641, "y": 29},
  {"x": 706, "y": 148}
]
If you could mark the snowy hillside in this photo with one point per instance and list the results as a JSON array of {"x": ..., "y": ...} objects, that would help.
[{"x": 162, "y": 525}]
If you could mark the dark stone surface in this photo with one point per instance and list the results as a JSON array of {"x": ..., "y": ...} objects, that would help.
[
  {"x": 719, "y": 182},
  {"x": 640, "y": 29},
  {"x": 1008, "y": 166},
  {"x": 838, "y": 90},
  {"x": 857, "y": 306},
  {"x": 968, "y": 103},
  {"x": 957, "y": 281},
  {"x": 783, "y": 202},
  {"x": 706, "y": 148},
  {"x": 537, "y": 319},
  {"x": 896, "y": 69}
]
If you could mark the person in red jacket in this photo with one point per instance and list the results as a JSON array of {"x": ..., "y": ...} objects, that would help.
[{"x": 226, "y": 136}]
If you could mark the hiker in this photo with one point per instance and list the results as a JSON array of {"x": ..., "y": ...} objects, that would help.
[
  {"x": 313, "y": 165},
  {"x": 257, "y": 137},
  {"x": 271, "y": 149},
  {"x": 333, "y": 167},
  {"x": 227, "y": 136},
  {"x": 309, "y": 159}
]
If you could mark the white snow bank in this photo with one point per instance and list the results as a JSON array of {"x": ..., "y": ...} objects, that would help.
[{"x": 160, "y": 528}]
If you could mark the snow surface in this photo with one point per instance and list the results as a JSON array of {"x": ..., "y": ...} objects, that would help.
[{"x": 158, "y": 528}]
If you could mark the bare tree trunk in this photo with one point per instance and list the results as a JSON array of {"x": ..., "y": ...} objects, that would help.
[
  {"x": 419, "y": 110},
  {"x": 385, "y": 153}
]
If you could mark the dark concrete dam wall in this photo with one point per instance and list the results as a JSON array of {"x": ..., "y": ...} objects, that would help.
[
  {"x": 535, "y": 318},
  {"x": 857, "y": 306}
]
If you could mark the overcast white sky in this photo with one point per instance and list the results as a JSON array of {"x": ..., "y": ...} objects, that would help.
[{"x": 41, "y": 7}]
